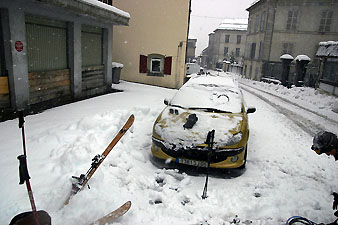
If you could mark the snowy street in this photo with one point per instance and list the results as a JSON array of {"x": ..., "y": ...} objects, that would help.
[{"x": 283, "y": 176}]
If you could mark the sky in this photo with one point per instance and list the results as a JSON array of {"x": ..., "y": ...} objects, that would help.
[{"x": 207, "y": 15}]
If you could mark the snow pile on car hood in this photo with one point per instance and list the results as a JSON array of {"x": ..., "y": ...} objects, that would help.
[
  {"x": 214, "y": 92},
  {"x": 170, "y": 128}
]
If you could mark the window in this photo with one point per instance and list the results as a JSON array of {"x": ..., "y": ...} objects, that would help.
[
  {"x": 155, "y": 65},
  {"x": 226, "y": 50},
  {"x": 253, "y": 50},
  {"x": 262, "y": 22},
  {"x": 239, "y": 39},
  {"x": 260, "y": 50},
  {"x": 256, "y": 23},
  {"x": 292, "y": 20},
  {"x": 227, "y": 38},
  {"x": 237, "y": 52},
  {"x": 287, "y": 48},
  {"x": 325, "y": 21}
]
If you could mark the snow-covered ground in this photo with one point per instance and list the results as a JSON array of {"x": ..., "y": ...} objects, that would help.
[{"x": 283, "y": 176}]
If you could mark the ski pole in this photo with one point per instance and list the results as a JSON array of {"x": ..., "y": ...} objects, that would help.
[
  {"x": 210, "y": 142},
  {"x": 23, "y": 171}
]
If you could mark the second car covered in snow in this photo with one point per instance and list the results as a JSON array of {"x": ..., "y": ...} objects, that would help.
[{"x": 203, "y": 104}]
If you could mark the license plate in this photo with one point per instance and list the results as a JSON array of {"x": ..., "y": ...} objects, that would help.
[{"x": 192, "y": 162}]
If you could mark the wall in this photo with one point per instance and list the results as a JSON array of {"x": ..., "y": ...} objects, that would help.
[
  {"x": 156, "y": 27},
  {"x": 306, "y": 37}
]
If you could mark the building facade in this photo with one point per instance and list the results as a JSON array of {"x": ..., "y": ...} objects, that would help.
[
  {"x": 191, "y": 49},
  {"x": 53, "y": 52},
  {"x": 328, "y": 79},
  {"x": 153, "y": 51},
  {"x": 292, "y": 27},
  {"x": 227, "y": 43}
]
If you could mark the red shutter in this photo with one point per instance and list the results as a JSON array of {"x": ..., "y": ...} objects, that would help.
[
  {"x": 143, "y": 64},
  {"x": 167, "y": 65}
]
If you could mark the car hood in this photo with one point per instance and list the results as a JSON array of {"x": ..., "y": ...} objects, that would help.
[{"x": 169, "y": 128}]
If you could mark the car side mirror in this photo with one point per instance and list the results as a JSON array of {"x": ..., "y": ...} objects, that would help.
[
  {"x": 251, "y": 110},
  {"x": 166, "y": 101}
]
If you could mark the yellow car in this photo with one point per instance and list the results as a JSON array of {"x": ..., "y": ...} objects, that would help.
[{"x": 203, "y": 104}]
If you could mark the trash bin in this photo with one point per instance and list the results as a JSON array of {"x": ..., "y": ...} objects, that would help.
[{"x": 116, "y": 71}]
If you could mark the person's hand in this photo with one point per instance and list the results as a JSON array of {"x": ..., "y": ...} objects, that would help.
[{"x": 335, "y": 201}]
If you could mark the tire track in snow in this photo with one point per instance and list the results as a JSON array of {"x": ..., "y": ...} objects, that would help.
[{"x": 310, "y": 126}]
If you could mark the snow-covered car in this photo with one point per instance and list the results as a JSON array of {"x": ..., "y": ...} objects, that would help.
[{"x": 203, "y": 104}]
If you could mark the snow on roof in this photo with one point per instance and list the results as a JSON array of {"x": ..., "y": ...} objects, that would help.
[
  {"x": 107, "y": 7},
  {"x": 328, "y": 48},
  {"x": 286, "y": 56},
  {"x": 233, "y": 24},
  {"x": 302, "y": 58},
  {"x": 253, "y": 3},
  {"x": 192, "y": 37}
]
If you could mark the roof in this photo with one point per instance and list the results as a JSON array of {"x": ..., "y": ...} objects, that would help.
[
  {"x": 107, "y": 7},
  {"x": 94, "y": 9},
  {"x": 328, "y": 49},
  {"x": 233, "y": 24},
  {"x": 253, "y": 4}
]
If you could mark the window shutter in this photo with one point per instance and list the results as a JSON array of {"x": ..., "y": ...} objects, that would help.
[
  {"x": 167, "y": 65},
  {"x": 143, "y": 64}
]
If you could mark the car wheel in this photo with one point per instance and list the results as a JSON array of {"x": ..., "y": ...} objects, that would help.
[{"x": 245, "y": 156}]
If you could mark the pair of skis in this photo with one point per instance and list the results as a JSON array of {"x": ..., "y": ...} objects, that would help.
[{"x": 78, "y": 183}]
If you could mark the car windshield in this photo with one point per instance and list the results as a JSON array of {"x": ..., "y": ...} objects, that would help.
[{"x": 209, "y": 93}]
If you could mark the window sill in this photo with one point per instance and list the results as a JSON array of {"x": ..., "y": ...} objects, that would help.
[{"x": 155, "y": 74}]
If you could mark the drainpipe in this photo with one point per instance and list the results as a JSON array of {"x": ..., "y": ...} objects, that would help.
[{"x": 186, "y": 47}]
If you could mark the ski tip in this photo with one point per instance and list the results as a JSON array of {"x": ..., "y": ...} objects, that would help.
[
  {"x": 132, "y": 117},
  {"x": 127, "y": 204}
]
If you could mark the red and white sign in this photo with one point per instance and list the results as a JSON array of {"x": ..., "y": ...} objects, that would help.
[{"x": 18, "y": 46}]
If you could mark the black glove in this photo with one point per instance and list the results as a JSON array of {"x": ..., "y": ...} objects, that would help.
[{"x": 335, "y": 201}]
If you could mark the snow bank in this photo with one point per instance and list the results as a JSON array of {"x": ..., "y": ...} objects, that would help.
[{"x": 283, "y": 176}]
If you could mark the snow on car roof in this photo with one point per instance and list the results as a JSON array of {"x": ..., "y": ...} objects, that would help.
[{"x": 212, "y": 92}]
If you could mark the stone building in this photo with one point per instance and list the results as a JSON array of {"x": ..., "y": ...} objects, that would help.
[
  {"x": 191, "y": 49},
  {"x": 328, "y": 76},
  {"x": 54, "y": 52},
  {"x": 227, "y": 43},
  {"x": 294, "y": 27}
]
